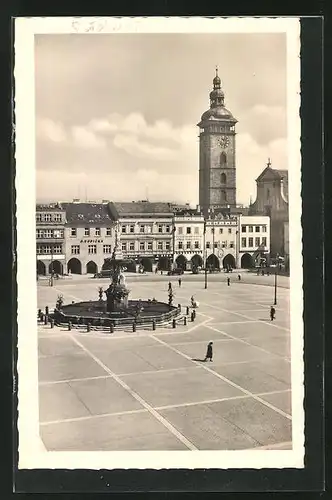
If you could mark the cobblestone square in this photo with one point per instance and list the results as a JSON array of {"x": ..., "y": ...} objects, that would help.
[{"x": 152, "y": 390}]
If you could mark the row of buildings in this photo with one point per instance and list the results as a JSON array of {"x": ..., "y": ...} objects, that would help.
[{"x": 79, "y": 237}]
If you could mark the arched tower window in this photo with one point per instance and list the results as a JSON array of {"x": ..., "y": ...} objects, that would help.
[
  {"x": 223, "y": 196},
  {"x": 268, "y": 193},
  {"x": 223, "y": 178},
  {"x": 223, "y": 158}
]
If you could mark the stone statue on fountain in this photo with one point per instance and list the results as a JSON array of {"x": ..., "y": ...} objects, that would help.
[{"x": 117, "y": 293}]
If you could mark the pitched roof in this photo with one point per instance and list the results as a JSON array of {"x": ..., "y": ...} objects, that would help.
[
  {"x": 139, "y": 208},
  {"x": 87, "y": 213},
  {"x": 273, "y": 174},
  {"x": 283, "y": 174},
  {"x": 49, "y": 207}
]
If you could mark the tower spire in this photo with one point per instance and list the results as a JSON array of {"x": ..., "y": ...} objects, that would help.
[
  {"x": 216, "y": 81},
  {"x": 269, "y": 162}
]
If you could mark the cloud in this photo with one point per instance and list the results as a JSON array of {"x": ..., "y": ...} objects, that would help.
[
  {"x": 252, "y": 157},
  {"x": 155, "y": 185},
  {"x": 265, "y": 123},
  {"x": 135, "y": 124},
  {"x": 138, "y": 148},
  {"x": 85, "y": 138},
  {"x": 50, "y": 130},
  {"x": 160, "y": 140},
  {"x": 156, "y": 156}
]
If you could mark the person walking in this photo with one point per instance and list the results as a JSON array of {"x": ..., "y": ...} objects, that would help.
[
  {"x": 239, "y": 277},
  {"x": 180, "y": 282},
  {"x": 272, "y": 313},
  {"x": 209, "y": 352},
  {"x": 169, "y": 286},
  {"x": 228, "y": 281}
]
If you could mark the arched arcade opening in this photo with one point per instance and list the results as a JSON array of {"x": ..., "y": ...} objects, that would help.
[
  {"x": 228, "y": 262},
  {"x": 91, "y": 267},
  {"x": 55, "y": 267},
  {"x": 196, "y": 261},
  {"x": 246, "y": 261},
  {"x": 130, "y": 266},
  {"x": 181, "y": 262},
  {"x": 41, "y": 268},
  {"x": 74, "y": 266},
  {"x": 212, "y": 262},
  {"x": 147, "y": 264},
  {"x": 164, "y": 264}
]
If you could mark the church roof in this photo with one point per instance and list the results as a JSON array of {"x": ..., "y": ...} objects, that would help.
[
  {"x": 273, "y": 174},
  {"x": 218, "y": 113},
  {"x": 123, "y": 209},
  {"x": 283, "y": 174}
]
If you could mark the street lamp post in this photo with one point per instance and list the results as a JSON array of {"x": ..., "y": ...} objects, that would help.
[
  {"x": 275, "y": 281},
  {"x": 205, "y": 253},
  {"x": 275, "y": 287},
  {"x": 51, "y": 279},
  {"x": 173, "y": 244}
]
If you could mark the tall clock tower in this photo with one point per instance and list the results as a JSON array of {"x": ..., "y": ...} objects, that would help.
[{"x": 217, "y": 170}]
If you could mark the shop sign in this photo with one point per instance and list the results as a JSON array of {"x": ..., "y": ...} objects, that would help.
[{"x": 92, "y": 241}]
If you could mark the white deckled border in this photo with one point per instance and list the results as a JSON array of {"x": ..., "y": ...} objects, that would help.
[{"x": 32, "y": 453}]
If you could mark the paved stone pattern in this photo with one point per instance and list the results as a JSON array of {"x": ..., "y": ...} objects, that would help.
[{"x": 150, "y": 390}]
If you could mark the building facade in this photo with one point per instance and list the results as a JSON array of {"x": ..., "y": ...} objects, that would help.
[
  {"x": 272, "y": 200},
  {"x": 254, "y": 240},
  {"x": 50, "y": 239},
  {"x": 89, "y": 236},
  {"x": 221, "y": 242},
  {"x": 217, "y": 148},
  {"x": 146, "y": 234},
  {"x": 188, "y": 239}
]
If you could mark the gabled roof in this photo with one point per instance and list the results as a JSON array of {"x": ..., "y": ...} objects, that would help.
[
  {"x": 87, "y": 213},
  {"x": 272, "y": 174},
  {"x": 119, "y": 209}
]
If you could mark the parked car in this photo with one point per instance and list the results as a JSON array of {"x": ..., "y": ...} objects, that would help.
[
  {"x": 104, "y": 273},
  {"x": 177, "y": 270}
]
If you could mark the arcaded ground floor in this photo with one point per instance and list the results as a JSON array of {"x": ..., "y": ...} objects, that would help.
[{"x": 150, "y": 390}]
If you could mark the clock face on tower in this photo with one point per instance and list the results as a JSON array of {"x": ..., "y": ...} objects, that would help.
[{"x": 223, "y": 141}]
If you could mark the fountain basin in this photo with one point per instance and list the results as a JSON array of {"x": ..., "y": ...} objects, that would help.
[{"x": 95, "y": 313}]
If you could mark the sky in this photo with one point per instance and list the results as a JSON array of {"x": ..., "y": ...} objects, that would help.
[{"x": 117, "y": 114}]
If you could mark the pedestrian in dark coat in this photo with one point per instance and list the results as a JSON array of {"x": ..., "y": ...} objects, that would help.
[
  {"x": 209, "y": 352},
  {"x": 180, "y": 282},
  {"x": 228, "y": 281},
  {"x": 169, "y": 286},
  {"x": 272, "y": 313}
]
